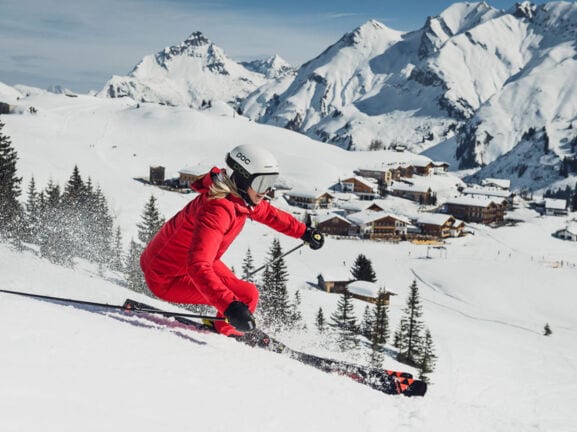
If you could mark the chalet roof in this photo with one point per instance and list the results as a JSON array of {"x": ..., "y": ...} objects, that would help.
[
  {"x": 329, "y": 216},
  {"x": 404, "y": 187},
  {"x": 337, "y": 275},
  {"x": 487, "y": 191},
  {"x": 369, "y": 182},
  {"x": 571, "y": 229},
  {"x": 471, "y": 201},
  {"x": 311, "y": 194},
  {"x": 368, "y": 216},
  {"x": 355, "y": 205},
  {"x": 364, "y": 288},
  {"x": 422, "y": 163},
  {"x": 555, "y": 204},
  {"x": 502, "y": 183},
  {"x": 437, "y": 219}
]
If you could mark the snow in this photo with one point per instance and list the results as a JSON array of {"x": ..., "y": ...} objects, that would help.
[{"x": 486, "y": 297}]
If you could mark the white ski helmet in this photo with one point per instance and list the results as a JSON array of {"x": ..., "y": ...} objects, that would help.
[{"x": 253, "y": 167}]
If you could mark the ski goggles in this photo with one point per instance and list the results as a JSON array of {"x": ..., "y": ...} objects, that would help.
[{"x": 261, "y": 183}]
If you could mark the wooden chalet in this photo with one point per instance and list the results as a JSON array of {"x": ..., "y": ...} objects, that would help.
[
  {"x": 439, "y": 225},
  {"x": 334, "y": 281},
  {"x": 187, "y": 175},
  {"x": 423, "y": 168},
  {"x": 503, "y": 184},
  {"x": 567, "y": 233},
  {"x": 379, "y": 225},
  {"x": 419, "y": 193},
  {"x": 383, "y": 175},
  {"x": 480, "y": 210},
  {"x": 495, "y": 193},
  {"x": 367, "y": 291},
  {"x": 333, "y": 224},
  {"x": 311, "y": 200},
  {"x": 364, "y": 188}
]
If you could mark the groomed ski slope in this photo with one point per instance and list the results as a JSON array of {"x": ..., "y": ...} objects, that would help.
[{"x": 486, "y": 300}]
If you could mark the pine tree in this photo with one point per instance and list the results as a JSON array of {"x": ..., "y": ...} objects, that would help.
[
  {"x": 427, "y": 358},
  {"x": 320, "y": 321},
  {"x": 99, "y": 226},
  {"x": 367, "y": 323},
  {"x": 116, "y": 259},
  {"x": 380, "y": 330},
  {"x": 296, "y": 317},
  {"x": 54, "y": 236},
  {"x": 363, "y": 269},
  {"x": 32, "y": 213},
  {"x": 11, "y": 213},
  {"x": 134, "y": 276},
  {"x": 248, "y": 267},
  {"x": 152, "y": 221},
  {"x": 409, "y": 333},
  {"x": 275, "y": 308},
  {"x": 344, "y": 321}
]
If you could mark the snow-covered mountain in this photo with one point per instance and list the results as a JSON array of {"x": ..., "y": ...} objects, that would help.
[
  {"x": 472, "y": 84},
  {"x": 189, "y": 74},
  {"x": 274, "y": 67},
  {"x": 483, "y": 76}
]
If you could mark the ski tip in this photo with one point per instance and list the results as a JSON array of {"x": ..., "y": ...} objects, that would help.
[{"x": 416, "y": 388}]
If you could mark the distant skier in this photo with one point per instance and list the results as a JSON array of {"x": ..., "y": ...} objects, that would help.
[{"x": 182, "y": 263}]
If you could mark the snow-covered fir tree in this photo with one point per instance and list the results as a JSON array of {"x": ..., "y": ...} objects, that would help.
[
  {"x": 275, "y": 308},
  {"x": 151, "y": 222},
  {"x": 345, "y": 323},
  {"x": 380, "y": 329},
  {"x": 427, "y": 357},
  {"x": 11, "y": 213},
  {"x": 408, "y": 337},
  {"x": 320, "y": 322},
  {"x": 248, "y": 267}
]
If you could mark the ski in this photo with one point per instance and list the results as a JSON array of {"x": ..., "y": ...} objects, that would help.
[{"x": 384, "y": 380}]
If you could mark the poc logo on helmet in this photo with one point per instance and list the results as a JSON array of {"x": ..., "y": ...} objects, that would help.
[{"x": 243, "y": 158}]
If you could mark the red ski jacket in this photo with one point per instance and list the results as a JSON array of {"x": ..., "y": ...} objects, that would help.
[{"x": 198, "y": 235}]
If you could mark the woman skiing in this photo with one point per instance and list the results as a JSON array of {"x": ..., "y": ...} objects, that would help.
[{"x": 182, "y": 263}]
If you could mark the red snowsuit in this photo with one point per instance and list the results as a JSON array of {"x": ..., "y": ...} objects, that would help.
[{"x": 182, "y": 263}]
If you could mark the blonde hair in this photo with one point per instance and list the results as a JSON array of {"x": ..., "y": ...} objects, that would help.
[{"x": 221, "y": 186}]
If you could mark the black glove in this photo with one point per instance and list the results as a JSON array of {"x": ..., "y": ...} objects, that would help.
[
  {"x": 314, "y": 238},
  {"x": 238, "y": 315}
]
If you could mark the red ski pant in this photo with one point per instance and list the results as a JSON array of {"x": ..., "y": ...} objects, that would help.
[{"x": 182, "y": 289}]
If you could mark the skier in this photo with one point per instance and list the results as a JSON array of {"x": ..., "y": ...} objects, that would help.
[{"x": 182, "y": 263}]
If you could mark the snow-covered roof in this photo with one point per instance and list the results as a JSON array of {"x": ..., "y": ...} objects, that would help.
[
  {"x": 555, "y": 204},
  {"x": 433, "y": 218},
  {"x": 329, "y": 216},
  {"x": 571, "y": 229},
  {"x": 337, "y": 274},
  {"x": 304, "y": 193},
  {"x": 487, "y": 191},
  {"x": 369, "y": 182},
  {"x": 473, "y": 201},
  {"x": 368, "y": 216},
  {"x": 364, "y": 288},
  {"x": 502, "y": 183},
  {"x": 404, "y": 187}
]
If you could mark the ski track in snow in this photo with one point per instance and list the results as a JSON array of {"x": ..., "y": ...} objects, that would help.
[{"x": 476, "y": 318}]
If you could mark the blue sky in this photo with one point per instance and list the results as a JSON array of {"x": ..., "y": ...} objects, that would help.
[{"x": 80, "y": 44}]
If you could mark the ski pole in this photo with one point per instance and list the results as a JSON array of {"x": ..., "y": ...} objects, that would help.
[
  {"x": 276, "y": 259},
  {"x": 115, "y": 307}
]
